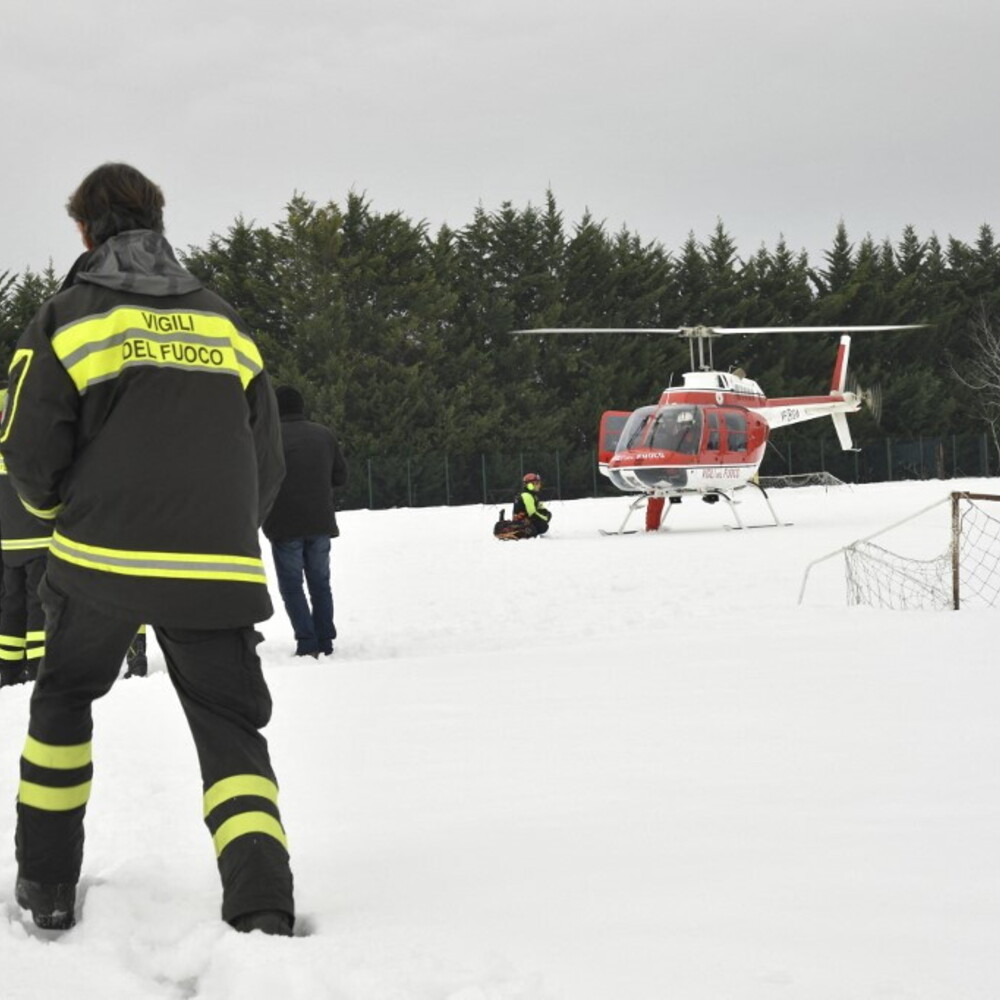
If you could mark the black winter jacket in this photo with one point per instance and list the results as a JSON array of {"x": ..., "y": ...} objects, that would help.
[
  {"x": 22, "y": 536},
  {"x": 314, "y": 466},
  {"x": 141, "y": 424}
]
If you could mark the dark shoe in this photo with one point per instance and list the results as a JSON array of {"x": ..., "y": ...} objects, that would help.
[
  {"x": 266, "y": 921},
  {"x": 135, "y": 658},
  {"x": 28, "y": 674},
  {"x": 51, "y": 905}
]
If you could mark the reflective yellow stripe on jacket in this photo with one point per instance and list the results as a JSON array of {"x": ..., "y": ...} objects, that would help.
[
  {"x": 23, "y": 544},
  {"x": 98, "y": 348},
  {"x": 175, "y": 565}
]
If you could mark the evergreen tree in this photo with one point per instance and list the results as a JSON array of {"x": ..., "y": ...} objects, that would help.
[
  {"x": 403, "y": 341},
  {"x": 20, "y": 299}
]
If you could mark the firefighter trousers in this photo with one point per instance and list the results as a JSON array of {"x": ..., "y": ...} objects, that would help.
[
  {"x": 218, "y": 679},
  {"x": 22, "y": 620}
]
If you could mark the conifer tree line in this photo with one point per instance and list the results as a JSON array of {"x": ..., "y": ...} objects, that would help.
[{"x": 400, "y": 337}]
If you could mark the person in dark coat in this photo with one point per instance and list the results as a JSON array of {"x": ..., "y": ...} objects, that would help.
[
  {"x": 303, "y": 521},
  {"x": 24, "y": 543},
  {"x": 142, "y": 426}
]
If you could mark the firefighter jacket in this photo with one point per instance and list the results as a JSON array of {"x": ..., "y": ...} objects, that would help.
[
  {"x": 22, "y": 535},
  {"x": 530, "y": 505},
  {"x": 314, "y": 467},
  {"x": 141, "y": 424}
]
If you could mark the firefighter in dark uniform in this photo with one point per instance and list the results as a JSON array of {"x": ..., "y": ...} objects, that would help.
[
  {"x": 24, "y": 543},
  {"x": 144, "y": 428}
]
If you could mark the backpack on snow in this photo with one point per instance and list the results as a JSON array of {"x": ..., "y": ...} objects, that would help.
[{"x": 511, "y": 530}]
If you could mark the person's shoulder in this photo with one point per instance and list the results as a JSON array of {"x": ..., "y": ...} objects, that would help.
[
  {"x": 319, "y": 430},
  {"x": 68, "y": 305},
  {"x": 311, "y": 431}
]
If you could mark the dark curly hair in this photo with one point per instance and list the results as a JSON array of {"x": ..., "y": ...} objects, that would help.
[{"x": 114, "y": 198}]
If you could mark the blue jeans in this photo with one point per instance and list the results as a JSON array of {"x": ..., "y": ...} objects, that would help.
[{"x": 309, "y": 558}]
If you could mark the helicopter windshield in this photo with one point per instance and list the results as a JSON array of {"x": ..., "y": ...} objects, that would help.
[
  {"x": 635, "y": 432},
  {"x": 677, "y": 428}
]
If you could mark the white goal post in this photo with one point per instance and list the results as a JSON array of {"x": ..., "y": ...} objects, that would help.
[{"x": 966, "y": 572}]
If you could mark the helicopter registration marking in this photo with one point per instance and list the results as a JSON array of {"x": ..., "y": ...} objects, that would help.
[
  {"x": 721, "y": 473},
  {"x": 790, "y": 414}
]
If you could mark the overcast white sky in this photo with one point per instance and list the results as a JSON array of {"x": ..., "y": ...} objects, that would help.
[{"x": 779, "y": 117}]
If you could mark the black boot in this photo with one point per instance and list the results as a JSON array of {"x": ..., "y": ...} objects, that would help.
[
  {"x": 135, "y": 658},
  {"x": 51, "y": 905},
  {"x": 266, "y": 921}
]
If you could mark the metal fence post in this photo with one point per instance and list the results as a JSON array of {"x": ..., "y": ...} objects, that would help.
[
  {"x": 371, "y": 495},
  {"x": 956, "y": 549}
]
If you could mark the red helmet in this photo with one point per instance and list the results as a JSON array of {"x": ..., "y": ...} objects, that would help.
[{"x": 532, "y": 479}]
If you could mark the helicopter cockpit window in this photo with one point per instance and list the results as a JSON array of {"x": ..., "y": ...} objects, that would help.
[
  {"x": 712, "y": 441},
  {"x": 636, "y": 429},
  {"x": 736, "y": 430},
  {"x": 677, "y": 428}
]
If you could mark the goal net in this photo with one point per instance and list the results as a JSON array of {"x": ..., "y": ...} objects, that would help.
[
  {"x": 800, "y": 479},
  {"x": 965, "y": 572}
]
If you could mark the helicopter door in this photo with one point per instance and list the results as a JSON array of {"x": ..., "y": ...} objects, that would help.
[
  {"x": 612, "y": 424},
  {"x": 736, "y": 430},
  {"x": 712, "y": 437}
]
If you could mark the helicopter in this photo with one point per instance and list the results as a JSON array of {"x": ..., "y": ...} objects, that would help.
[{"x": 707, "y": 436}]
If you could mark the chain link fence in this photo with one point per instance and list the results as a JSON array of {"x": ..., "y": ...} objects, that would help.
[{"x": 383, "y": 481}]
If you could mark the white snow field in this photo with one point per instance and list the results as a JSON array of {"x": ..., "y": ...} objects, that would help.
[{"x": 573, "y": 768}]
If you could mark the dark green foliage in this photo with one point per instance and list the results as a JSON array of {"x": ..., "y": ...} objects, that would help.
[
  {"x": 20, "y": 297},
  {"x": 401, "y": 338}
]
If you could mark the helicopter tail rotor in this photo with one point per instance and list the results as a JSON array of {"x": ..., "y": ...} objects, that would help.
[{"x": 871, "y": 397}]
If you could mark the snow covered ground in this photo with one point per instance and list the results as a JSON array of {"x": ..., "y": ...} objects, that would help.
[{"x": 579, "y": 768}]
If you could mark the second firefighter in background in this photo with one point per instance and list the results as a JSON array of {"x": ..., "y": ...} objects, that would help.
[{"x": 24, "y": 542}]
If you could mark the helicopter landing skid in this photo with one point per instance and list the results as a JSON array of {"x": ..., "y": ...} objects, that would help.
[
  {"x": 716, "y": 495},
  {"x": 639, "y": 501},
  {"x": 739, "y": 521}
]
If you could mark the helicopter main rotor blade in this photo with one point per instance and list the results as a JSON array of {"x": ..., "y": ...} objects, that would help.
[
  {"x": 597, "y": 329},
  {"x": 814, "y": 329},
  {"x": 693, "y": 332}
]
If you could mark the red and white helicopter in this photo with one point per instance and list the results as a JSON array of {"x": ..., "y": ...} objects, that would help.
[{"x": 707, "y": 437}]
